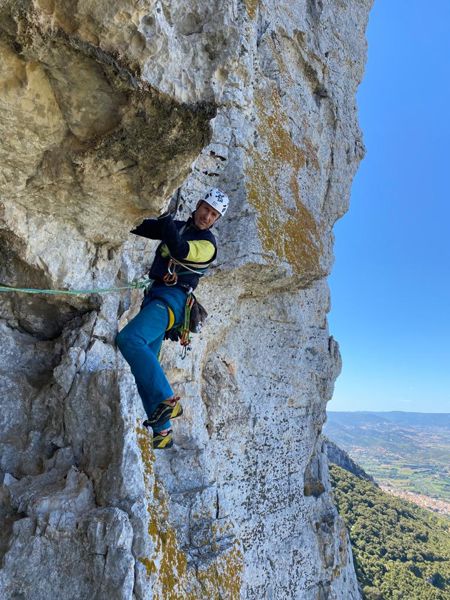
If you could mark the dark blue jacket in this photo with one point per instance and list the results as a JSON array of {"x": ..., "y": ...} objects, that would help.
[{"x": 179, "y": 240}]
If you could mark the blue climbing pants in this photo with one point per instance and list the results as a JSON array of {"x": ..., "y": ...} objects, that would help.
[{"x": 140, "y": 342}]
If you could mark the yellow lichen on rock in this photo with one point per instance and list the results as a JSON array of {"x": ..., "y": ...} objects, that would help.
[
  {"x": 168, "y": 566},
  {"x": 169, "y": 563},
  {"x": 148, "y": 458},
  {"x": 172, "y": 568},
  {"x": 222, "y": 579},
  {"x": 292, "y": 234},
  {"x": 251, "y": 6}
]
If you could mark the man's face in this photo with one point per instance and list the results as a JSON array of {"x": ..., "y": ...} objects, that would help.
[{"x": 205, "y": 215}]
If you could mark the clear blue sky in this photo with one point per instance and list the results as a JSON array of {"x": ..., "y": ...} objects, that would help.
[{"x": 390, "y": 286}]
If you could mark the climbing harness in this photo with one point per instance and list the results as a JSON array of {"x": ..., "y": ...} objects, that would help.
[
  {"x": 134, "y": 285},
  {"x": 171, "y": 277}
]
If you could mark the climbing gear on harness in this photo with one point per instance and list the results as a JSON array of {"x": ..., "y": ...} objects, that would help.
[
  {"x": 218, "y": 200},
  {"x": 171, "y": 277},
  {"x": 198, "y": 316},
  {"x": 163, "y": 441},
  {"x": 134, "y": 285},
  {"x": 185, "y": 338},
  {"x": 163, "y": 412},
  {"x": 194, "y": 317}
]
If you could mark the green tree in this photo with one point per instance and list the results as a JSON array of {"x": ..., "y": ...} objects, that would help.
[{"x": 397, "y": 546}]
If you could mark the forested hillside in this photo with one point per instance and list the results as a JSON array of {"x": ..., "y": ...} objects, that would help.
[{"x": 400, "y": 551}]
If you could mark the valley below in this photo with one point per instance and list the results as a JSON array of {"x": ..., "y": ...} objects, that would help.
[{"x": 408, "y": 454}]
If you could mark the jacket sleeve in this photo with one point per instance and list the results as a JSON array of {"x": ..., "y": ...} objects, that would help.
[
  {"x": 178, "y": 248},
  {"x": 201, "y": 251},
  {"x": 150, "y": 228}
]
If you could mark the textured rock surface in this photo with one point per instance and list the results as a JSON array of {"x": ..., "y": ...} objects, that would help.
[
  {"x": 339, "y": 457},
  {"x": 107, "y": 108}
]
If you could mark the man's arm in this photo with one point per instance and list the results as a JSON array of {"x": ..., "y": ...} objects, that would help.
[
  {"x": 200, "y": 251},
  {"x": 196, "y": 251},
  {"x": 150, "y": 228}
]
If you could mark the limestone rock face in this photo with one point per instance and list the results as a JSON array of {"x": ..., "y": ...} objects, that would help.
[
  {"x": 107, "y": 109},
  {"x": 339, "y": 457}
]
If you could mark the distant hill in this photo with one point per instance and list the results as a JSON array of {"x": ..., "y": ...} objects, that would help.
[
  {"x": 405, "y": 451},
  {"x": 400, "y": 551},
  {"x": 414, "y": 419}
]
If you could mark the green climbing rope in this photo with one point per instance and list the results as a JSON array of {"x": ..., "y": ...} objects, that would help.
[{"x": 138, "y": 284}]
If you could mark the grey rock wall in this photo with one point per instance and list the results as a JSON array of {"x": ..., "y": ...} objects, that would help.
[
  {"x": 339, "y": 457},
  {"x": 107, "y": 108}
]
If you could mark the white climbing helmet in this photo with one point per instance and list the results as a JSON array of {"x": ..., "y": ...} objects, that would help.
[{"x": 218, "y": 200}]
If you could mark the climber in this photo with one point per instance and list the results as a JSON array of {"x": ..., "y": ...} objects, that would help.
[{"x": 186, "y": 250}]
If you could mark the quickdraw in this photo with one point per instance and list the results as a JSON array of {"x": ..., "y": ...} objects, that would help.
[{"x": 185, "y": 332}]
